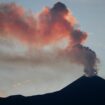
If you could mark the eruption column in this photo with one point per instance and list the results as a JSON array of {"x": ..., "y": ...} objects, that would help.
[{"x": 50, "y": 26}]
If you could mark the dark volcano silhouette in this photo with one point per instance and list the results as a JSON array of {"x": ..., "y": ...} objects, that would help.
[{"x": 85, "y": 90}]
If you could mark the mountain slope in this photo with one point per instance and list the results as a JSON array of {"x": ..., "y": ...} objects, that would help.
[{"x": 85, "y": 90}]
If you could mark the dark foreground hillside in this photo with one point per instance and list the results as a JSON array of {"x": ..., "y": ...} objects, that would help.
[{"x": 83, "y": 91}]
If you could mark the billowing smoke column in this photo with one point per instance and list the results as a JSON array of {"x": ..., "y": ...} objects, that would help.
[
  {"x": 83, "y": 55},
  {"x": 48, "y": 27}
]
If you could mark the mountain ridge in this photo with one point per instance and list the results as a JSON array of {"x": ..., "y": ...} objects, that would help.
[{"x": 85, "y": 90}]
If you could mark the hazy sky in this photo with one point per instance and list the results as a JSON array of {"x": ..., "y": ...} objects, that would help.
[{"x": 24, "y": 77}]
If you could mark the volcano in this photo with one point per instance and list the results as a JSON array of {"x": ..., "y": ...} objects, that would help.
[{"x": 85, "y": 90}]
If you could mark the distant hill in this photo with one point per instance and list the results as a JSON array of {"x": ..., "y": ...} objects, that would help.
[{"x": 83, "y": 91}]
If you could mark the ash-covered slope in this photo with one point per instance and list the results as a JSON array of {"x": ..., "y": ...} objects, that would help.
[{"x": 83, "y": 91}]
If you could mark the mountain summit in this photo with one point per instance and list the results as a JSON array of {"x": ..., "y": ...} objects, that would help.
[{"x": 85, "y": 90}]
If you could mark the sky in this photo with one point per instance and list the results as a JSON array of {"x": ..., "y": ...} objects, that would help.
[{"x": 27, "y": 76}]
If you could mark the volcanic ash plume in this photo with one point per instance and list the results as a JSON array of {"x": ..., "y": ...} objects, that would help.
[
  {"x": 85, "y": 56},
  {"x": 46, "y": 28}
]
